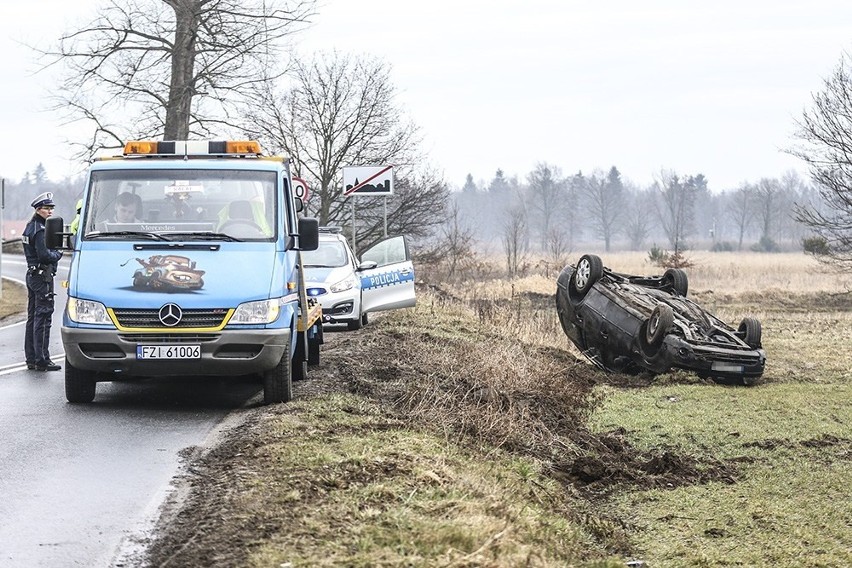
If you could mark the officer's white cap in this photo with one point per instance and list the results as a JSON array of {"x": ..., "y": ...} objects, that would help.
[{"x": 43, "y": 200}]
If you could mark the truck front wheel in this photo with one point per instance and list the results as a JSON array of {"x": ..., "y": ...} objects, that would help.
[
  {"x": 79, "y": 384},
  {"x": 278, "y": 381}
]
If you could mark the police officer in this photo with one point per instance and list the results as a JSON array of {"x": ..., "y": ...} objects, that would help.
[{"x": 41, "y": 267}]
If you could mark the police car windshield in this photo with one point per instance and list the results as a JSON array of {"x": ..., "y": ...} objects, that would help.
[
  {"x": 180, "y": 203},
  {"x": 329, "y": 254}
]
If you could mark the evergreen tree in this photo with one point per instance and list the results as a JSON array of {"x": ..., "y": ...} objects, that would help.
[{"x": 469, "y": 185}]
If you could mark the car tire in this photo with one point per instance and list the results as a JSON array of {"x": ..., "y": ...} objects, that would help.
[
  {"x": 365, "y": 319},
  {"x": 750, "y": 331},
  {"x": 80, "y": 385},
  {"x": 658, "y": 325},
  {"x": 588, "y": 271},
  {"x": 278, "y": 381},
  {"x": 354, "y": 325},
  {"x": 677, "y": 279}
]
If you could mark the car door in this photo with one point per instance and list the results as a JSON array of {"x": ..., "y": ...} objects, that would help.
[{"x": 390, "y": 285}]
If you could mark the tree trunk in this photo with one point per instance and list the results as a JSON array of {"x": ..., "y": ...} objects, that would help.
[{"x": 181, "y": 87}]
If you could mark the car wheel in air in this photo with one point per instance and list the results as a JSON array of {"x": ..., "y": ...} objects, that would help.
[
  {"x": 677, "y": 279},
  {"x": 658, "y": 325},
  {"x": 80, "y": 385},
  {"x": 589, "y": 270},
  {"x": 750, "y": 332}
]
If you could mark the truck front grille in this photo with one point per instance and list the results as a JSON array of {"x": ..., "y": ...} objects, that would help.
[{"x": 150, "y": 318}]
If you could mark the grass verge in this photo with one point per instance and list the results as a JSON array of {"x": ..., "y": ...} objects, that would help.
[{"x": 13, "y": 301}]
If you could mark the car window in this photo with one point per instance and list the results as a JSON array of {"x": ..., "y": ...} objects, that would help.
[
  {"x": 330, "y": 254},
  {"x": 389, "y": 251}
]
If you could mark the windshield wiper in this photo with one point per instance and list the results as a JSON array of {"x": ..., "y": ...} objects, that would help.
[
  {"x": 141, "y": 234},
  {"x": 206, "y": 236}
]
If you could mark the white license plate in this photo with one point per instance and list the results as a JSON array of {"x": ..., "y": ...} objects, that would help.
[
  {"x": 726, "y": 367},
  {"x": 168, "y": 352}
]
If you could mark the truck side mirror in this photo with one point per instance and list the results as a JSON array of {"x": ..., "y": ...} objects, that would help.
[
  {"x": 54, "y": 238},
  {"x": 308, "y": 233}
]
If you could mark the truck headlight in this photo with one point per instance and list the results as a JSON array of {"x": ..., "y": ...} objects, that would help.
[
  {"x": 87, "y": 311},
  {"x": 343, "y": 285},
  {"x": 262, "y": 311}
]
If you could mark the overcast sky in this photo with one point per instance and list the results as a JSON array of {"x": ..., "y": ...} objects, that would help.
[{"x": 644, "y": 86}]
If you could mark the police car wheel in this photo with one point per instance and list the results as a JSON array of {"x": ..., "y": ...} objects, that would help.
[
  {"x": 365, "y": 319},
  {"x": 80, "y": 385},
  {"x": 354, "y": 324}
]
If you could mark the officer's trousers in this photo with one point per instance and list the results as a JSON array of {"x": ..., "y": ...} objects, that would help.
[{"x": 39, "y": 318}]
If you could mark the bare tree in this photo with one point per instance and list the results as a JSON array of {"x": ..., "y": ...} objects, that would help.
[
  {"x": 676, "y": 208},
  {"x": 170, "y": 68},
  {"x": 741, "y": 209},
  {"x": 556, "y": 248},
  {"x": 514, "y": 238},
  {"x": 547, "y": 196},
  {"x": 769, "y": 198},
  {"x": 825, "y": 144},
  {"x": 339, "y": 111},
  {"x": 604, "y": 199},
  {"x": 638, "y": 216},
  {"x": 455, "y": 244}
]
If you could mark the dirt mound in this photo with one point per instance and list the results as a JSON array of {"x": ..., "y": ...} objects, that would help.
[{"x": 530, "y": 401}]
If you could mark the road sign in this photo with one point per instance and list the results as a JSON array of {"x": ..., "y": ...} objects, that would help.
[
  {"x": 368, "y": 180},
  {"x": 300, "y": 189}
]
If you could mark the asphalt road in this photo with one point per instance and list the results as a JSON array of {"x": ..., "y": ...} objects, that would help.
[{"x": 80, "y": 484}]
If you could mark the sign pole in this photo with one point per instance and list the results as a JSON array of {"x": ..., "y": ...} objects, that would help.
[
  {"x": 354, "y": 243},
  {"x": 386, "y": 215}
]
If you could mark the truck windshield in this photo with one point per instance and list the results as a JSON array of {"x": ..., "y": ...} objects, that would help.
[{"x": 179, "y": 204}]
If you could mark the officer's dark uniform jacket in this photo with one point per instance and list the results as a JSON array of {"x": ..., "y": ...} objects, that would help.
[{"x": 41, "y": 267}]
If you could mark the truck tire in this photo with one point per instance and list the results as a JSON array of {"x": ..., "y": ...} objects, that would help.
[
  {"x": 79, "y": 384},
  {"x": 278, "y": 381}
]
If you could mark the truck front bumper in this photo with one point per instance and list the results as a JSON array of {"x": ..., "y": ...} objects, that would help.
[{"x": 224, "y": 353}]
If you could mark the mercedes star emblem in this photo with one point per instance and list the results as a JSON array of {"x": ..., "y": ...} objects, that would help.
[{"x": 170, "y": 315}]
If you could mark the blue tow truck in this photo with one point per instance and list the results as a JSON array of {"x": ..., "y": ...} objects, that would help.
[{"x": 187, "y": 262}]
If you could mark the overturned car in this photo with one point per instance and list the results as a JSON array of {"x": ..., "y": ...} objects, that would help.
[{"x": 628, "y": 324}]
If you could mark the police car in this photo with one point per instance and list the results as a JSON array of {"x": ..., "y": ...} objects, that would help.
[{"x": 348, "y": 288}]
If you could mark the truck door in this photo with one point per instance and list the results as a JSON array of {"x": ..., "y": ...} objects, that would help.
[{"x": 390, "y": 285}]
